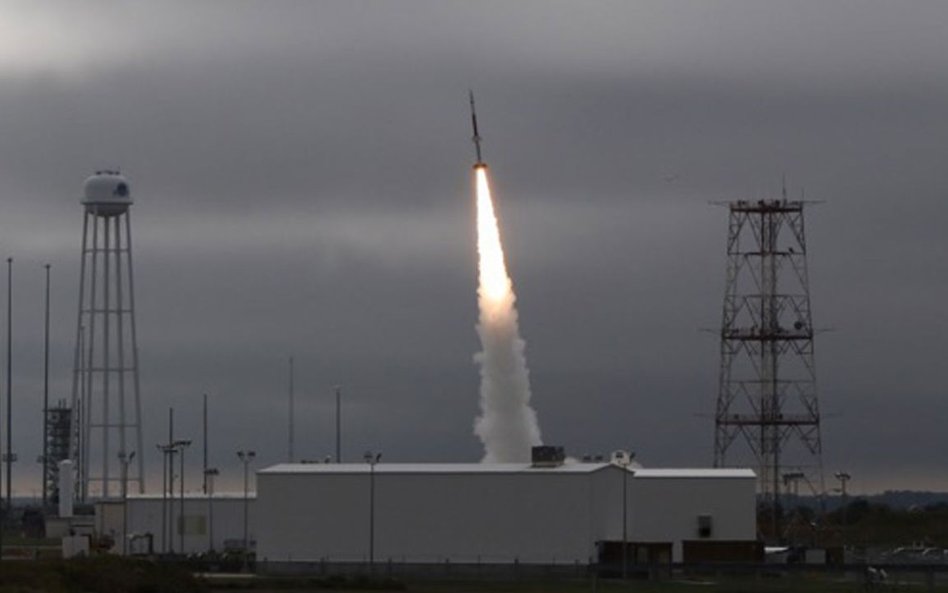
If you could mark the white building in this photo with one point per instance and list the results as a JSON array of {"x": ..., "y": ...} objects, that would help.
[
  {"x": 218, "y": 520},
  {"x": 494, "y": 513}
]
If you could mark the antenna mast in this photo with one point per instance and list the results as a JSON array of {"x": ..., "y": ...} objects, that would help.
[{"x": 767, "y": 383}]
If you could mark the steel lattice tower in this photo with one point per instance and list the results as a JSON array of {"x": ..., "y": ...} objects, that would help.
[
  {"x": 105, "y": 389},
  {"x": 767, "y": 384}
]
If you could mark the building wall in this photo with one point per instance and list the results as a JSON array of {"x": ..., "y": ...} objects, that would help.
[
  {"x": 606, "y": 502},
  {"x": 548, "y": 517},
  {"x": 427, "y": 517},
  {"x": 145, "y": 516},
  {"x": 667, "y": 509}
]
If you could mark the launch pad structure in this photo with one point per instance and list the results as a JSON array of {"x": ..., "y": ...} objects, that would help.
[
  {"x": 59, "y": 427},
  {"x": 767, "y": 394}
]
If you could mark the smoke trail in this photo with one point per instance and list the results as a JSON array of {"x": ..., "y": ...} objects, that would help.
[{"x": 507, "y": 425}]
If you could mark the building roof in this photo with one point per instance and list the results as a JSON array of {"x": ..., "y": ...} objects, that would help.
[
  {"x": 190, "y": 496},
  {"x": 429, "y": 468},
  {"x": 726, "y": 472},
  {"x": 496, "y": 468}
]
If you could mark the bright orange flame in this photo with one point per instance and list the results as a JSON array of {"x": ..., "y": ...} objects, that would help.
[{"x": 494, "y": 282}]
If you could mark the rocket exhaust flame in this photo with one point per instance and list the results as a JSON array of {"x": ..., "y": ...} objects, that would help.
[
  {"x": 495, "y": 284},
  {"x": 508, "y": 425}
]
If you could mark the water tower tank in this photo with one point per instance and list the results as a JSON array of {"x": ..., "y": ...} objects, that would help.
[
  {"x": 105, "y": 393},
  {"x": 106, "y": 193}
]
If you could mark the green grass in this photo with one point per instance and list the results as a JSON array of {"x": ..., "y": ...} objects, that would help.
[
  {"x": 105, "y": 574},
  {"x": 116, "y": 575},
  {"x": 788, "y": 584},
  {"x": 808, "y": 583}
]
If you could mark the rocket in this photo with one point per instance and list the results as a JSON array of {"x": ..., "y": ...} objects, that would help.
[{"x": 477, "y": 137}]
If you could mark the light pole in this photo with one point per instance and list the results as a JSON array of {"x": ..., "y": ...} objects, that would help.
[
  {"x": 791, "y": 484},
  {"x": 171, "y": 453},
  {"x": 164, "y": 496},
  {"x": 624, "y": 462},
  {"x": 167, "y": 485},
  {"x": 209, "y": 474},
  {"x": 625, "y": 523},
  {"x": 9, "y": 458},
  {"x": 372, "y": 459},
  {"x": 180, "y": 446},
  {"x": 46, "y": 396},
  {"x": 338, "y": 389},
  {"x": 204, "y": 419},
  {"x": 246, "y": 457},
  {"x": 290, "y": 436},
  {"x": 125, "y": 460},
  {"x": 843, "y": 477}
]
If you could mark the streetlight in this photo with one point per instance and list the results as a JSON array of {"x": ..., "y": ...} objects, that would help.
[
  {"x": 172, "y": 451},
  {"x": 791, "y": 483},
  {"x": 125, "y": 460},
  {"x": 209, "y": 474},
  {"x": 180, "y": 446},
  {"x": 9, "y": 457},
  {"x": 338, "y": 390},
  {"x": 246, "y": 457},
  {"x": 372, "y": 459},
  {"x": 167, "y": 451},
  {"x": 624, "y": 460},
  {"x": 45, "y": 458},
  {"x": 843, "y": 477}
]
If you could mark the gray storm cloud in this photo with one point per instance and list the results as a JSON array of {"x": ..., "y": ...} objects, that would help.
[{"x": 296, "y": 167}]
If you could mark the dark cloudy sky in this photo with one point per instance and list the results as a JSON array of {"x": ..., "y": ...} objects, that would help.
[{"x": 302, "y": 180}]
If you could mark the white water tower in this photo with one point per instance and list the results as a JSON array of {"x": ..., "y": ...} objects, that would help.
[{"x": 106, "y": 405}]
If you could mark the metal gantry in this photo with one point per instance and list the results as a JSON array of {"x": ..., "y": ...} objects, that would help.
[
  {"x": 58, "y": 429},
  {"x": 767, "y": 395},
  {"x": 105, "y": 388}
]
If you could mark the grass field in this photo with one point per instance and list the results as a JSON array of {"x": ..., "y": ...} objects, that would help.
[
  {"x": 110, "y": 574},
  {"x": 810, "y": 583}
]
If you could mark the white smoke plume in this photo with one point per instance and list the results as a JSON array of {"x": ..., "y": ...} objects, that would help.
[{"x": 508, "y": 425}]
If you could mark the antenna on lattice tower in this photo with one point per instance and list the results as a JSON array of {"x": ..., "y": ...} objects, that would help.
[{"x": 767, "y": 397}]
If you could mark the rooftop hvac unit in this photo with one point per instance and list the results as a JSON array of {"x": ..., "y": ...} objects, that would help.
[
  {"x": 548, "y": 456},
  {"x": 623, "y": 458}
]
